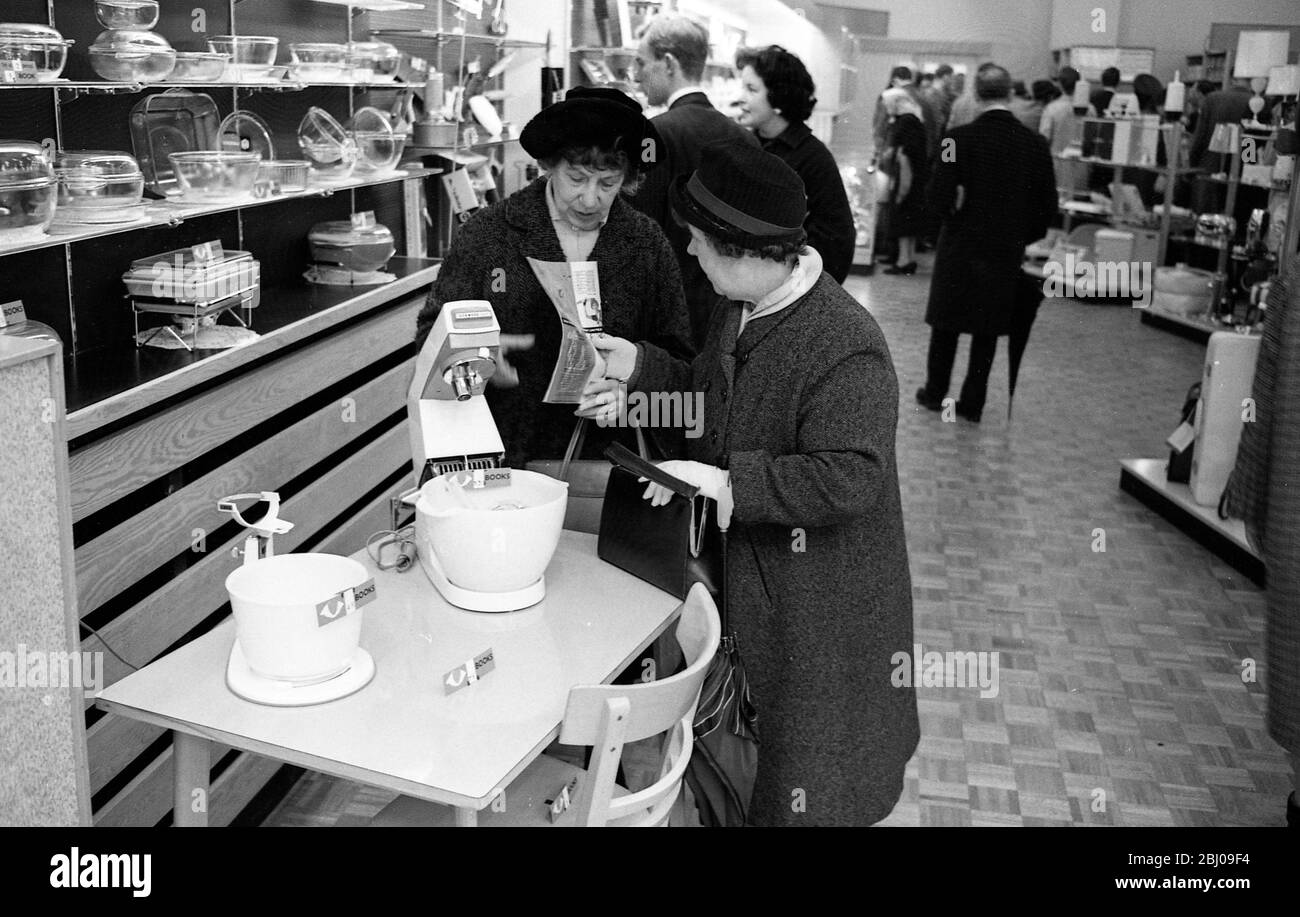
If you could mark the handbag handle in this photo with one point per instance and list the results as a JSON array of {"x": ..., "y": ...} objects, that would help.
[
  {"x": 575, "y": 446},
  {"x": 628, "y": 460}
]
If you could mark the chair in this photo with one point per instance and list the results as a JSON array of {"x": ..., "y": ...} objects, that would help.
[{"x": 605, "y": 717}]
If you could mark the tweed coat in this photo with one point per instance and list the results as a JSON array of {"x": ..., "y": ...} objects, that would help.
[
  {"x": 803, "y": 410},
  {"x": 1009, "y": 187},
  {"x": 829, "y": 223},
  {"x": 1264, "y": 490},
  {"x": 641, "y": 296},
  {"x": 690, "y": 124}
]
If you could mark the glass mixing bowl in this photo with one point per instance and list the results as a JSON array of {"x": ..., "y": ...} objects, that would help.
[
  {"x": 324, "y": 142},
  {"x": 199, "y": 66},
  {"x": 319, "y": 61},
  {"x": 127, "y": 14},
  {"x": 215, "y": 176},
  {"x": 378, "y": 148},
  {"x": 252, "y": 57}
]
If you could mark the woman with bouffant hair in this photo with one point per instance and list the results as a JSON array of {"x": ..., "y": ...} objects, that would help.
[{"x": 777, "y": 98}]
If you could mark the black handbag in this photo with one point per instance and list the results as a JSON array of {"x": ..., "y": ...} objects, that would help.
[
  {"x": 672, "y": 546},
  {"x": 587, "y": 479}
]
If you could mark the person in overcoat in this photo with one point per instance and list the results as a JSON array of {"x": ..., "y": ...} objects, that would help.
[
  {"x": 1264, "y": 490},
  {"x": 776, "y": 100},
  {"x": 907, "y": 162},
  {"x": 590, "y": 146},
  {"x": 996, "y": 193},
  {"x": 670, "y": 70},
  {"x": 800, "y": 415}
]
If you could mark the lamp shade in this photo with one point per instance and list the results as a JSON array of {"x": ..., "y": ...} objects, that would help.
[
  {"x": 1283, "y": 81},
  {"x": 1225, "y": 139},
  {"x": 1258, "y": 52}
]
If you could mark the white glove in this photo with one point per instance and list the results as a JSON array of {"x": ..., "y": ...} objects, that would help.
[
  {"x": 506, "y": 376},
  {"x": 604, "y": 401},
  {"x": 619, "y": 355},
  {"x": 713, "y": 482}
]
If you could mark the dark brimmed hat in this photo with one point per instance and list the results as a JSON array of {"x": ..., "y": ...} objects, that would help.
[
  {"x": 593, "y": 116},
  {"x": 743, "y": 196}
]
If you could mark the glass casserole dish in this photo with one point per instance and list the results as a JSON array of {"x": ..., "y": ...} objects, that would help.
[
  {"x": 131, "y": 56},
  {"x": 100, "y": 186},
  {"x": 359, "y": 250},
  {"x": 28, "y": 192},
  {"x": 31, "y": 53}
]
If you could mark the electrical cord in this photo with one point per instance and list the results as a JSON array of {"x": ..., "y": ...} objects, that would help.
[{"x": 108, "y": 646}]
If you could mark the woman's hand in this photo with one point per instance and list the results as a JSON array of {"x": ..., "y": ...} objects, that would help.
[
  {"x": 619, "y": 355},
  {"x": 604, "y": 401},
  {"x": 710, "y": 479},
  {"x": 506, "y": 375}
]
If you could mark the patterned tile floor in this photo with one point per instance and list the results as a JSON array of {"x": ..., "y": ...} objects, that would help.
[{"x": 1120, "y": 700}]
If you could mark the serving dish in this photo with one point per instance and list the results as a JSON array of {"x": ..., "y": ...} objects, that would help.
[
  {"x": 175, "y": 121},
  {"x": 28, "y": 192},
  {"x": 98, "y": 186},
  {"x": 378, "y": 60},
  {"x": 31, "y": 53},
  {"x": 214, "y": 176},
  {"x": 199, "y": 66},
  {"x": 322, "y": 61},
  {"x": 132, "y": 56},
  {"x": 252, "y": 57},
  {"x": 355, "y": 249},
  {"x": 127, "y": 14},
  {"x": 282, "y": 175}
]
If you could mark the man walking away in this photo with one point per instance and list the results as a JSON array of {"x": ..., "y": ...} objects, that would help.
[{"x": 996, "y": 194}]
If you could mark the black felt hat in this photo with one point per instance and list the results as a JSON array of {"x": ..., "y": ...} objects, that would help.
[
  {"x": 593, "y": 116},
  {"x": 742, "y": 195}
]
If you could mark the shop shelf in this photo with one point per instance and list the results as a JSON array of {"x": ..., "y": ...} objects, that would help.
[
  {"x": 165, "y": 213},
  {"x": 117, "y": 379}
]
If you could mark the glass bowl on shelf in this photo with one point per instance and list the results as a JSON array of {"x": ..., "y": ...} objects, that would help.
[
  {"x": 98, "y": 186},
  {"x": 377, "y": 61},
  {"x": 214, "y": 176},
  {"x": 127, "y": 14},
  {"x": 280, "y": 176},
  {"x": 324, "y": 142},
  {"x": 132, "y": 56},
  {"x": 31, "y": 53},
  {"x": 378, "y": 148},
  {"x": 319, "y": 62},
  {"x": 199, "y": 66},
  {"x": 252, "y": 57},
  {"x": 28, "y": 192},
  {"x": 357, "y": 249}
]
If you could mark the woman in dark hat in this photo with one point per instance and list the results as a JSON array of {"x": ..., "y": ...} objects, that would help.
[
  {"x": 776, "y": 101},
  {"x": 595, "y": 146},
  {"x": 800, "y": 412}
]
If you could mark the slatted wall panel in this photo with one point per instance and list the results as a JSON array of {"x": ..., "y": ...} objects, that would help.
[{"x": 324, "y": 423}]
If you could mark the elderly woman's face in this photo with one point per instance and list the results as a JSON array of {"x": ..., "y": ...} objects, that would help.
[
  {"x": 728, "y": 275},
  {"x": 755, "y": 111},
  {"x": 584, "y": 195}
]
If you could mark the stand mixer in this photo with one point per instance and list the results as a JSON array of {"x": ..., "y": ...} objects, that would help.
[{"x": 484, "y": 533}]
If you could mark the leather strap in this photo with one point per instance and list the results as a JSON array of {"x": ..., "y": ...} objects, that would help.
[{"x": 575, "y": 446}]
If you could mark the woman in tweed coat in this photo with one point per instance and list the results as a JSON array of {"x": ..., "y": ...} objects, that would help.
[
  {"x": 1265, "y": 491},
  {"x": 591, "y": 145},
  {"x": 800, "y": 412}
]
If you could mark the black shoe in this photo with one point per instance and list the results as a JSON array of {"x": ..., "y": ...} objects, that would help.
[
  {"x": 924, "y": 247},
  {"x": 907, "y": 270},
  {"x": 966, "y": 413},
  {"x": 927, "y": 402},
  {"x": 887, "y": 259},
  {"x": 1292, "y": 812}
]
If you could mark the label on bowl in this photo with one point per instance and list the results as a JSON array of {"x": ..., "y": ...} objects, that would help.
[
  {"x": 363, "y": 220},
  {"x": 12, "y": 313},
  {"x": 469, "y": 672},
  {"x": 18, "y": 71},
  {"x": 339, "y": 606}
]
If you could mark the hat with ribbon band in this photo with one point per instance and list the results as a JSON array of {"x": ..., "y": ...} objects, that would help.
[{"x": 742, "y": 195}]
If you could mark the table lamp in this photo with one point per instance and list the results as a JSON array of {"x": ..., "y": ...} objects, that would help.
[{"x": 1257, "y": 54}]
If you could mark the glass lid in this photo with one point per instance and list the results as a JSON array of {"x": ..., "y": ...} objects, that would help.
[
  {"x": 23, "y": 164},
  {"x": 130, "y": 40},
  {"x": 101, "y": 162},
  {"x": 342, "y": 232},
  {"x": 31, "y": 32},
  {"x": 245, "y": 132}
]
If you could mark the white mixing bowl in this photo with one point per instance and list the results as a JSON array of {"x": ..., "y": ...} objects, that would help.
[
  {"x": 276, "y": 623},
  {"x": 495, "y": 539}
]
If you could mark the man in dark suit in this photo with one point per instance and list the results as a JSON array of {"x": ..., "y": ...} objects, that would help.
[
  {"x": 670, "y": 67},
  {"x": 996, "y": 192}
]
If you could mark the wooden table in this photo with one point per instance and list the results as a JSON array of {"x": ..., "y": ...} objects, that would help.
[{"x": 402, "y": 731}]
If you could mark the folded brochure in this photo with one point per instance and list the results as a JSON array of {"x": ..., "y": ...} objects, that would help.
[{"x": 574, "y": 289}]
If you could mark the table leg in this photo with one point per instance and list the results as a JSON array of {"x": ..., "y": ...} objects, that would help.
[
  {"x": 466, "y": 818},
  {"x": 190, "y": 799}
]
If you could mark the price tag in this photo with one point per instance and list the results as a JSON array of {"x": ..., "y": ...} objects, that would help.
[
  {"x": 563, "y": 799},
  {"x": 1181, "y": 438},
  {"x": 12, "y": 313},
  {"x": 337, "y": 607},
  {"x": 460, "y": 191},
  {"x": 17, "y": 71},
  {"x": 469, "y": 672},
  {"x": 208, "y": 252},
  {"x": 363, "y": 220}
]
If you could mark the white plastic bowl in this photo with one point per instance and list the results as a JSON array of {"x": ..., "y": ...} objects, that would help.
[
  {"x": 276, "y": 622},
  {"x": 484, "y": 549}
]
